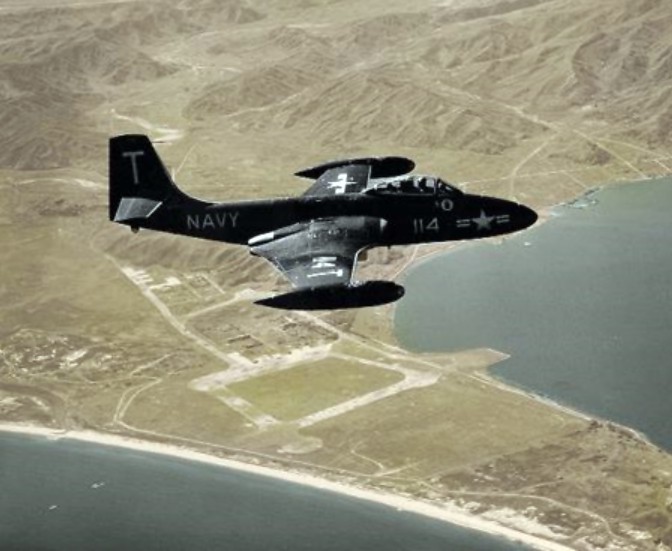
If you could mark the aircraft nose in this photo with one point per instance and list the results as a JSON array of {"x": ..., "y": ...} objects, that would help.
[{"x": 525, "y": 216}]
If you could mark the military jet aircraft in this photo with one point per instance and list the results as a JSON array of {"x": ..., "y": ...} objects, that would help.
[{"x": 313, "y": 239}]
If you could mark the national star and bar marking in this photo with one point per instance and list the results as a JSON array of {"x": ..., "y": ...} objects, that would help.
[{"x": 483, "y": 221}]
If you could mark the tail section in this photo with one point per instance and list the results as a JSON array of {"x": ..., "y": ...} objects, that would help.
[{"x": 139, "y": 183}]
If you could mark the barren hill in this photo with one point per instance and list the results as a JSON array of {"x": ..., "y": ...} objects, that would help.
[
  {"x": 536, "y": 100},
  {"x": 440, "y": 79}
]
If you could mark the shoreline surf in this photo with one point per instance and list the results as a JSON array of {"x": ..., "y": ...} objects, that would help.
[{"x": 447, "y": 513}]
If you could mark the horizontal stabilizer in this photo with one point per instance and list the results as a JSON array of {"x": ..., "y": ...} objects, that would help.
[
  {"x": 369, "y": 293},
  {"x": 135, "y": 208}
]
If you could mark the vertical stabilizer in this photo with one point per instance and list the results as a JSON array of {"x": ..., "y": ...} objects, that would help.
[{"x": 139, "y": 183}]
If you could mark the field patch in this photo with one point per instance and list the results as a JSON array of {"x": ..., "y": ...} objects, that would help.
[{"x": 293, "y": 393}]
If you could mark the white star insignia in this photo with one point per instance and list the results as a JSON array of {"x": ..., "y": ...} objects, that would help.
[{"x": 483, "y": 221}]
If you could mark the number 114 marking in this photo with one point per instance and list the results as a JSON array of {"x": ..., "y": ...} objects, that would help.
[{"x": 420, "y": 225}]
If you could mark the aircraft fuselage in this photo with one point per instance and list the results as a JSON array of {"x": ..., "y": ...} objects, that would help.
[
  {"x": 410, "y": 219},
  {"x": 315, "y": 239}
]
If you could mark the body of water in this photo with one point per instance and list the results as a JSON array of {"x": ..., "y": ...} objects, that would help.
[
  {"x": 65, "y": 495},
  {"x": 582, "y": 303}
]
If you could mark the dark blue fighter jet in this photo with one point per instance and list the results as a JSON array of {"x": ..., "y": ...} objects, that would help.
[{"x": 313, "y": 239}]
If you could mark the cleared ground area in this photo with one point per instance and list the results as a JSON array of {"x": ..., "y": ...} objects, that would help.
[{"x": 292, "y": 394}]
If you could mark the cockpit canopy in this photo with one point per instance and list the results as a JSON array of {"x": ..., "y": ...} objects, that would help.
[{"x": 417, "y": 185}]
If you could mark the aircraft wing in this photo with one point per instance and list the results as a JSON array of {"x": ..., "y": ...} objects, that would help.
[
  {"x": 319, "y": 259},
  {"x": 341, "y": 180},
  {"x": 353, "y": 175},
  {"x": 320, "y": 253}
]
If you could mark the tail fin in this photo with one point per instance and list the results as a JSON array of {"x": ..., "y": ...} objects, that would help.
[{"x": 139, "y": 183}]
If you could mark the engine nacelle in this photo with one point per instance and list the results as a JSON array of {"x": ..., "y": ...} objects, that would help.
[{"x": 367, "y": 229}]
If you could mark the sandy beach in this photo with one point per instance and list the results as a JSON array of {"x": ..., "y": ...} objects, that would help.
[{"x": 446, "y": 513}]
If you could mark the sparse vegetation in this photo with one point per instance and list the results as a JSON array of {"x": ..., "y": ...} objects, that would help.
[
  {"x": 155, "y": 335},
  {"x": 292, "y": 394}
]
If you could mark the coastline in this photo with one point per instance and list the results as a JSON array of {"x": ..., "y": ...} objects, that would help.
[
  {"x": 447, "y": 513},
  {"x": 488, "y": 375}
]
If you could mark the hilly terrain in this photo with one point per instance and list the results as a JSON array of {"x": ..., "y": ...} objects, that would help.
[{"x": 156, "y": 337}]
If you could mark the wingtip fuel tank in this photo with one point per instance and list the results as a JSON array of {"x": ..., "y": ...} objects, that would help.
[{"x": 369, "y": 293}]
